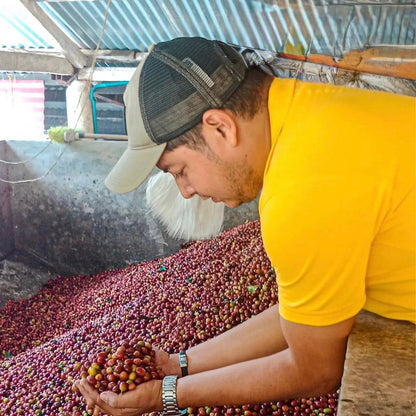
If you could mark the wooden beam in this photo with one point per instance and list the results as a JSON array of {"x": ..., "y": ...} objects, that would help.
[
  {"x": 18, "y": 61},
  {"x": 116, "y": 56},
  {"x": 392, "y": 61},
  {"x": 332, "y": 74},
  {"x": 106, "y": 74},
  {"x": 69, "y": 48},
  {"x": 120, "y": 73}
]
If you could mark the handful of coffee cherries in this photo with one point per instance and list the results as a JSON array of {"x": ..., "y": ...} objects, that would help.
[{"x": 123, "y": 368}]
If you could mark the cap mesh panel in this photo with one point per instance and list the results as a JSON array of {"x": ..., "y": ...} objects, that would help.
[{"x": 170, "y": 103}]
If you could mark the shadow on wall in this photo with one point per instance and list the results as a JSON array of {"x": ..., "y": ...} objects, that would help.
[{"x": 6, "y": 219}]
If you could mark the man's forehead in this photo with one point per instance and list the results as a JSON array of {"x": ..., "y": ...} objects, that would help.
[
  {"x": 161, "y": 165},
  {"x": 164, "y": 161}
]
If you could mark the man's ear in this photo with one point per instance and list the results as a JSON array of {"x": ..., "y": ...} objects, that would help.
[{"x": 220, "y": 124}]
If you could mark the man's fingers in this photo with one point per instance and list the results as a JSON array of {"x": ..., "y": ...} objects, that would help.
[
  {"x": 108, "y": 403},
  {"x": 124, "y": 403},
  {"x": 98, "y": 409},
  {"x": 113, "y": 404},
  {"x": 111, "y": 399},
  {"x": 90, "y": 394},
  {"x": 86, "y": 390}
]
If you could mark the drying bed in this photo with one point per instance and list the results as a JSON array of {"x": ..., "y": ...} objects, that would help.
[{"x": 173, "y": 303}]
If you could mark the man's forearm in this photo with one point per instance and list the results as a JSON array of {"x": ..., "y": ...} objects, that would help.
[
  {"x": 257, "y": 337},
  {"x": 270, "y": 378},
  {"x": 311, "y": 365}
]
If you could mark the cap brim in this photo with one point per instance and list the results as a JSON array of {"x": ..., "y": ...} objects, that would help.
[
  {"x": 133, "y": 168},
  {"x": 142, "y": 154}
]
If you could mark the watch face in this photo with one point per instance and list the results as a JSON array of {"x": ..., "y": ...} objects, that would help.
[
  {"x": 183, "y": 363},
  {"x": 182, "y": 359}
]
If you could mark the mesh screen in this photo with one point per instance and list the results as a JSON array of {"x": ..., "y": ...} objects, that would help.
[{"x": 170, "y": 103}]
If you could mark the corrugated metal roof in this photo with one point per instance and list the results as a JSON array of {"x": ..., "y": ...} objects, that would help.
[
  {"x": 20, "y": 30},
  {"x": 316, "y": 26}
]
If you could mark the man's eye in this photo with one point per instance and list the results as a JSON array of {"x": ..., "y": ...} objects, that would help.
[{"x": 178, "y": 175}]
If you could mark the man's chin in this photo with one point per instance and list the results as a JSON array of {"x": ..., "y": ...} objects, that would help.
[
  {"x": 232, "y": 204},
  {"x": 237, "y": 203}
]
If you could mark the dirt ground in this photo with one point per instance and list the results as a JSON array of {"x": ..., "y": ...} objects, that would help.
[{"x": 21, "y": 277}]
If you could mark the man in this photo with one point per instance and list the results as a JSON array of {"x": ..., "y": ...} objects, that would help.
[{"x": 336, "y": 170}]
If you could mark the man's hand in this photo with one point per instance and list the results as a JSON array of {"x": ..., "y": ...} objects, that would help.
[
  {"x": 145, "y": 398},
  {"x": 168, "y": 363}
]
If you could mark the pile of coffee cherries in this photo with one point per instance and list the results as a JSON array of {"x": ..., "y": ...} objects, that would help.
[
  {"x": 123, "y": 368},
  {"x": 75, "y": 326}
]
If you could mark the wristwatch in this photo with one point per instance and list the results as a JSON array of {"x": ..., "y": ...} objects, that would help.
[
  {"x": 170, "y": 405},
  {"x": 183, "y": 363}
]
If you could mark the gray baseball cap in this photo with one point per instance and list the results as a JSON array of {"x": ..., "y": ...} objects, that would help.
[{"x": 167, "y": 95}]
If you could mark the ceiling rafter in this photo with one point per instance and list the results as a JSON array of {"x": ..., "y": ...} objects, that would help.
[
  {"x": 42, "y": 62},
  {"x": 70, "y": 49}
]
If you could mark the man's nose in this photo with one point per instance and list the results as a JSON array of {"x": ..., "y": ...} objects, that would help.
[{"x": 185, "y": 189}]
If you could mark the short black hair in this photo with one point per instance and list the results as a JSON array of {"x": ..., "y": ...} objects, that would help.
[{"x": 245, "y": 102}]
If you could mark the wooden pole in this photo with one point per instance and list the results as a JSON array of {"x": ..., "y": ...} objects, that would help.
[{"x": 78, "y": 105}]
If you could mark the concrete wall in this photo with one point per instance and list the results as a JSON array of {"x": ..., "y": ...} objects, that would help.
[{"x": 70, "y": 221}]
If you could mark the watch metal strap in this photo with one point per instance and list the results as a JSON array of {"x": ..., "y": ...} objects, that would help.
[
  {"x": 170, "y": 405},
  {"x": 183, "y": 363}
]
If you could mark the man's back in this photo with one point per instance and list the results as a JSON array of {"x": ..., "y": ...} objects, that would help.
[{"x": 338, "y": 201}]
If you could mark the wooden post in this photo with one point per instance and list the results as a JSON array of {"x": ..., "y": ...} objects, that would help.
[{"x": 78, "y": 106}]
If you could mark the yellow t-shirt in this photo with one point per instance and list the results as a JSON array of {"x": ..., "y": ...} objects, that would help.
[{"x": 338, "y": 203}]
